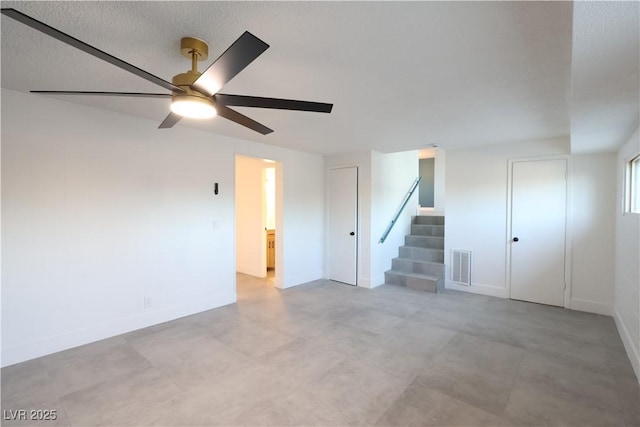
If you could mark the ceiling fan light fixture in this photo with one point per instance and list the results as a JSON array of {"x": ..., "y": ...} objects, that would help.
[
  {"x": 194, "y": 94},
  {"x": 193, "y": 107}
]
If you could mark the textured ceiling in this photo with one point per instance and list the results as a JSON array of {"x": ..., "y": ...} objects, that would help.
[
  {"x": 401, "y": 75},
  {"x": 605, "y": 81}
]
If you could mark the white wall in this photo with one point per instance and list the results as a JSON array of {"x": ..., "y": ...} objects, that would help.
[
  {"x": 439, "y": 176},
  {"x": 383, "y": 181},
  {"x": 299, "y": 211},
  {"x": 361, "y": 160},
  {"x": 476, "y": 200},
  {"x": 476, "y": 209},
  {"x": 270, "y": 197},
  {"x": 627, "y": 266},
  {"x": 100, "y": 210},
  {"x": 391, "y": 178},
  {"x": 251, "y": 256},
  {"x": 593, "y": 228},
  {"x": 440, "y": 181}
]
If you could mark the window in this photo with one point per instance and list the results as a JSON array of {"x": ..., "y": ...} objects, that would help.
[{"x": 633, "y": 185}]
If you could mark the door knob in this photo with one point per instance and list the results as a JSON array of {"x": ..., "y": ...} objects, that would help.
[
  {"x": 352, "y": 234},
  {"x": 515, "y": 239}
]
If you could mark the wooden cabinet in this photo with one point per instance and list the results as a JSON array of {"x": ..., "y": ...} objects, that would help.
[{"x": 271, "y": 249}]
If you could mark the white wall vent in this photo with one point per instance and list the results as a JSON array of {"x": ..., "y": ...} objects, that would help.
[{"x": 461, "y": 267}]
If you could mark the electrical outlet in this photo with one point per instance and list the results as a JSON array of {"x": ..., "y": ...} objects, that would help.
[{"x": 147, "y": 302}]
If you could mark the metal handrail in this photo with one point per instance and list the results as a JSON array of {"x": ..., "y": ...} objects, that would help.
[{"x": 404, "y": 203}]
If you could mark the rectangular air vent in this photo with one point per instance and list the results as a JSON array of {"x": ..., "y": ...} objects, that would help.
[{"x": 461, "y": 267}]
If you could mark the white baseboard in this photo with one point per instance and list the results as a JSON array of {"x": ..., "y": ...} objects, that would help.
[
  {"x": 630, "y": 345},
  {"x": 31, "y": 350},
  {"x": 298, "y": 280},
  {"x": 591, "y": 306},
  {"x": 370, "y": 283},
  {"x": 476, "y": 288}
]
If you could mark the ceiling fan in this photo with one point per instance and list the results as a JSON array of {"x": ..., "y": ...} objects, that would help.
[{"x": 193, "y": 94}]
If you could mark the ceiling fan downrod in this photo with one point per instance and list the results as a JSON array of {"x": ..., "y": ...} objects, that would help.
[
  {"x": 195, "y": 50},
  {"x": 191, "y": 102}
]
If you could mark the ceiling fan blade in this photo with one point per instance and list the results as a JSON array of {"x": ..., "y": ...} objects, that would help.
[
  {"x": 66, "y": 38},
  {"x": 128, "y": 94},
  {"x": 170, "y": 120},
  {"x": 234, "y": 116},
  {"x": 280, "y": 104},
  {"x": 240, "y": 54}
]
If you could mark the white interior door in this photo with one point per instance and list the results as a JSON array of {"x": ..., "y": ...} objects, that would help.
[
  {"x": 343, "y": 225},
  {"x": 538, "y": 231}
]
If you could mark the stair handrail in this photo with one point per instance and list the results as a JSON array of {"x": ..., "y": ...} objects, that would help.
[{"x": 404, "y": 203}]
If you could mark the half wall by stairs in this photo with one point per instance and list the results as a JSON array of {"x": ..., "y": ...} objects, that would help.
[{"x": 420, "y": 264}]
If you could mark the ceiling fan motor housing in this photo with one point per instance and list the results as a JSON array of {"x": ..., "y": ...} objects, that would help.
[
  {"x": 184, "y": 81},
  {"x": 192, "y": 96}
]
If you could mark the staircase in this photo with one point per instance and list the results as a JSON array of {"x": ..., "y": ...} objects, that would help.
[{"x": 420, "y": 264}]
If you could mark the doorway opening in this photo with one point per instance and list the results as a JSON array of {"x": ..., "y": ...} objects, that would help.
[
  {"x": 270, "y": 217},
  {"x": 431, "y": 194},
  {"x": 427, "y": 184},
  {"x": 258, "y": 213}
]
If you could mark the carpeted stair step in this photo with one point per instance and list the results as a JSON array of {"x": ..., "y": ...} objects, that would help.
[
  {"x": 420, "y": 264},
  {"x": 419, "y": 282},
  {"x": 430, "y": 242},
  {"x": 427, "y": 230},
  {"x": 421, "y": 254},
  {"x": 428, "y": 220},
  {"x": 405, "y": 265}
]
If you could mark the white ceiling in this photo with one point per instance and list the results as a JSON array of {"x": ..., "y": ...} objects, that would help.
[
  {"x": 401, "y": 75},
  {"x": 605, "y": 80}
]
